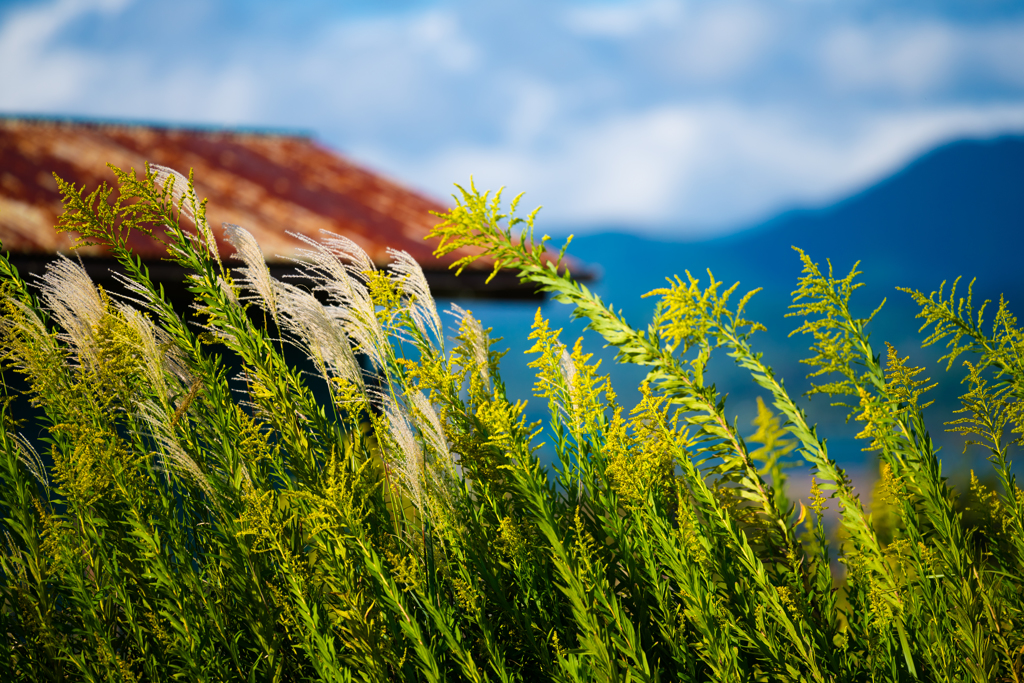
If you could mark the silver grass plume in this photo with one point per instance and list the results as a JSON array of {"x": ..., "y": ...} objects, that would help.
[
  {"x": 478, "y": 340},
  {"x": 329, "y": 273},
  {"x": 338, "y": 260},
  {"x": 409, "y": 275},
  {"x": 255, "y": 275},
  {"x": 410, "y": 464},
  {"x": 443, "y": 470},
  {"x": 345, "y": 248},
  {"x": 360, "y": 321},
  {"x": 72, "y": 298},
  {"x": 323, "y": 338},
  {"x": 29, "y": 457},
  {"x": 159, "y": 354},
  {"x": 180, "y": 190},
  {"x": 246, "y": 380},
  {"x": 138, "y": 293},
  {"x": 227, "y": 290},
  {"x": 172, "y": 456},
  {"x": 30, "y": 325},
  {"x": 430, "y": 425},
  {"x": 325, "y": 264},
  {"x": 149, "y": 350},
  {"x": 568, "y": 370}
]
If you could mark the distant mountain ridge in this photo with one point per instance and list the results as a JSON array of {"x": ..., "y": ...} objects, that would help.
[{"x": 957, "y": 210}]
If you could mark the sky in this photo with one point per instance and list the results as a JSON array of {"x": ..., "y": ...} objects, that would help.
[{"x": 679, "y": 118}]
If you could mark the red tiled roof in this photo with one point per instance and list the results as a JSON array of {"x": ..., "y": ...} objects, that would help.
[{"x": 264, "y": 181}]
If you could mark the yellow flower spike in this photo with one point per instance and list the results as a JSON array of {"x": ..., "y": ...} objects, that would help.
[
  {"x": 875, "y": 418},
  {"x": 786, "y": 598},
  {"x": 514, "y": 544},
  {"x": 467, "y": 597},
  {"x": 770, "y": 433},
  {"x": 405, "y": 569},
  {"x": 385, "y": 295},
  {"x": 502, "y": 421},
  {"x": 817, "y": 497},
  {"x": 687, "y": 531},
  {"x": 900, "y": 382},
  {"x": 585, "y": 543},
  {"x": 549, "y": 364},
  {"x": 628, "y": 473},
  {"x": 569, "y": 381},
  {"x": 641, "y": 453},
  {"x": 585, "y": 390},
  {"x": 686, "y": 312},
  {"x": 257, "y": 519}
]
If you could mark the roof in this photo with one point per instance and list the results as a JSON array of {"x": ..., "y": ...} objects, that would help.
[{"x": 269, "y": 182}]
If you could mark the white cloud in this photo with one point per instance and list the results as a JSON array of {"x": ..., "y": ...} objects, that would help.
[
  {"x": 702, "y": 41},
  {"x": 36, "y": 74},
  {"x": 438, "y": 33},
  {"x": 622, "y": 20},
  {"x": 534, "y": 109},
  {"x": 707, "y": 168},
  {"x": 909, "y": 60},
  {"x": 917, "y": 59},
  {"x": 721, "y": 40},
  {"x": 372, "y": 73}
]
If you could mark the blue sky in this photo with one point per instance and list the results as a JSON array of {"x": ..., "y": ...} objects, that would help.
[{"x": 683, "y": 118}]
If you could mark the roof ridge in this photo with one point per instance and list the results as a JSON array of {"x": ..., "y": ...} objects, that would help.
[{"x": 195, "y": 128}]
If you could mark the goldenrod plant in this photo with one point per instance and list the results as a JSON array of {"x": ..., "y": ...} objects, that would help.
[{"x": 346, "y": 492}]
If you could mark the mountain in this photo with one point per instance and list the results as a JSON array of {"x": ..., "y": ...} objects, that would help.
[{"x": 958, "y": 210}]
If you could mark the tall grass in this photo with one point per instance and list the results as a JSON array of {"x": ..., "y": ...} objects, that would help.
[{"x": 378, "y": 512}]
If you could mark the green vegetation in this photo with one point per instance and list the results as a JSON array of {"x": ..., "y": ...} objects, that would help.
[{"x": 382, "y": 515}]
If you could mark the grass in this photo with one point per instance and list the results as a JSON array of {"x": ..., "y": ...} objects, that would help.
[{"x": 384, "y": 516}]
